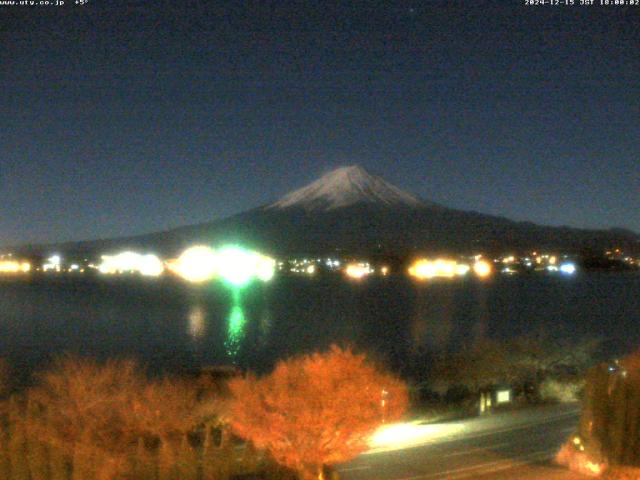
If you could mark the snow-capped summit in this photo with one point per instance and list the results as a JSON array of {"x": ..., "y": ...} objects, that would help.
[{"x": 344, "y": 187}]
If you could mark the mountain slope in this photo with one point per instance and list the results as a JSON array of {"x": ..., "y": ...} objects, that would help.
[
  {"x": 352, "y": 212},
  {"x": 344, "y": 187}
]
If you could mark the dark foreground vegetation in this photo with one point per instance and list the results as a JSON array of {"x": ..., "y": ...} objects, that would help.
[
  {"x": 535, "y": 368},
  {"x": 608, "y": 436},
  {"x": 84, "y": 420}
]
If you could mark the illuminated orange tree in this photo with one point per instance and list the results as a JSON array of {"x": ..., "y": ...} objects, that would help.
[
  {"x": 82, "y": 409},
  {"x": 316, "y": 410},
  {"x": 167, "y": 410}
]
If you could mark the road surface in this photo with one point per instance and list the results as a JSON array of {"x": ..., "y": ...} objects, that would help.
[{"x": 511, "y": 445}]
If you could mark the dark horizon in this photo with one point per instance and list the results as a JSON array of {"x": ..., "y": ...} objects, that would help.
[{"x": 124, "y": 120}]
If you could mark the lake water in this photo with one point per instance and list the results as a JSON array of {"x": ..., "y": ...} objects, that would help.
[{"x": 170, "y": 325}]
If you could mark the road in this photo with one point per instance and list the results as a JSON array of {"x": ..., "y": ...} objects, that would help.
[{"x": 511, "y": 445}]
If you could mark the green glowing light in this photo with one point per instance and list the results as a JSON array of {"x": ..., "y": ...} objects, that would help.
[
  {"x": 236, "y": 326},
  {"x": 236, "y": 265},
  {"x": 233, "y": 264}
]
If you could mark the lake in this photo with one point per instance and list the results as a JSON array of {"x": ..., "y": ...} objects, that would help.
[{"x": 170, "y": 325}]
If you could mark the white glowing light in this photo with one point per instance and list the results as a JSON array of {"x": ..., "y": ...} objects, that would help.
[
  {"x": 482, "y": 268},
  {"x": 503, "y": 396},
  {"x": 131, "y": 262},
  {"x": 236, "y": 265},
  {"x": 358, "y": 270},
  {"x": 568, "y": 268},
  {"x": 266, "y": 268},
  {"x": 150, "y": 266},
  {"x": 196, "y": 264},
  {"x": 12, "y": 266},
  {"x": 462, "y": 269},
  {"x": 52, "y": 263},
  {"x": 424, "y": 268},
  {"x": 404, "y": 435}
]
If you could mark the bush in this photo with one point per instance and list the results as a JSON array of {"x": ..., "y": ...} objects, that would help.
[
  {"x": 108, "y": 421},
  {"x": 562, "y": 391}
]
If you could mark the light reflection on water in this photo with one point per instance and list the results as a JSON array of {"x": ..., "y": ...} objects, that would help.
[
  {"x": 197, "y": 322},
  {"x": 236, "y": 326},
  {"x": 170, "y": 325}
]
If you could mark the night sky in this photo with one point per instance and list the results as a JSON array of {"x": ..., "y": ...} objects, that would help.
[{"x": 126, "y": 117}]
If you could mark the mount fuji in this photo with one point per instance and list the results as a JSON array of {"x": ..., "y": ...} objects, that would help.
[
  {"x": 351, "y": 212},
  {"x": 345, "y": 187}
]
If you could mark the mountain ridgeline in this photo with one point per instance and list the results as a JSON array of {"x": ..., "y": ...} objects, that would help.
[{"x": 351, "y": 212}]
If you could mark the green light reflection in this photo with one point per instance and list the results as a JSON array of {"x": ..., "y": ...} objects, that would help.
[{"x": 236, "y": 326}]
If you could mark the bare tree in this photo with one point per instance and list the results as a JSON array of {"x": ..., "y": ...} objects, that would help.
[
  {"x": 5, "y": 378},
  {"x": 84, "y": 409},
  {"x": 524, "y": 360}
]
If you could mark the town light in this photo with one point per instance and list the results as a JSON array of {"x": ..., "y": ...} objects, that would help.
[
  {"x": 131, "y": 262},
  {"x": 266, "y": 268},
  {"x": 568, "y": 268},
  {"x": 52, "y": 263},
  {"x": 196, "y": 264},
  {"x": 482, "y": 268},
  {"x": 236, "y": 265},
  {"x": 13, "y": 266},
  {"x": 462, "y": 269},
  {"x": 150, "y": 266},
  {"x": 424, "y": 269},
  {"x": 357, "y": 270}
]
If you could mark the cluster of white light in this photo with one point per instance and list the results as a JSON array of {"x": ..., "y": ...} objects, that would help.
[
  {"x": 196, "y": 264},
  {"x": 568, "y": 268},
  {"x": 332, "y": 264},
  {"x": 233, "y": 264},
  {"x": 482, "y": 268},
  {"x": 424, "y": 269},
  {"x": 14, "y": 266},
  {"x": 358, "y": 270},
  {"x": 53, "y": 263},
  {"x": 304, "y": 265},
  {"x": 131, "y": 262}
]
